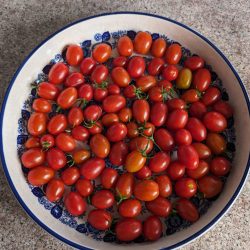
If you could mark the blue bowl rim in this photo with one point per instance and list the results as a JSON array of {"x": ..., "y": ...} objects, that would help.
[{"x": 37, "y": 220}]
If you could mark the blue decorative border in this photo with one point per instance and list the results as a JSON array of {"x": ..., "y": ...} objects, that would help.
[{"x": 204, "y": 229}]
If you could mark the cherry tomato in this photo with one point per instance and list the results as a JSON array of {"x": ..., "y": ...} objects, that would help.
[
  {"x": 220, "y": 166},
  {"x": 58, "y": 73},
  {"x": 57, "y": 124},
  {"x": 65, "y": 142},
  {"x": 128, "y": 229},
  {"x": 74, "y": 55},
  {"x": 109, "y": 119},
  {"x": 144, "y": 173},
  {"x": 33, "y": 158},
  {"x": 200, "y": 171},
  {"x": 175, "y": 170},
  {"x": 173, "y": 54},
  {"x": 47, "y": 141},
  {"x": 165, "y": 85},
  {"x": 185, "y": 187},
  {"x": 203, "y": 150},
  {"x": 177, "y": 119},
  {"x": 191, "y": 96},
  {"x": 170, "y": 72},
  {"x": 176, "y": 103},
  {"x": 99, "y": 74},
  {"x": 210, "y": 186},
  {"x": 42, "y": 105},
  {"x": 87, "y": 65},
  {"x": 95, "y": 128},
  {"x": 80, "y": 156},
  {"x": 70, "y": 176},
  {"x": 202, "y": 79},
  {"x": 100, "y": 93},
  {"x": 54, "y": 190},
  {"x": 216, "y": 143},
  {"x": 211, "y": 96},
  {"x": 158, "y": 47},
  {"x": 56, "y": 158},
  {"x": 113, "y": 89},
  {"x": 67, "y": 98},
  {"x": 142, "y": 42},
  {"x": 124, "y": 185},
  {"x": 183, "y": 137},
  {"x": 100, "y": 145},
  {"x": 103, "y": 199},
  {"x": 84, "y": 187},
  {"x": 152, "y": 228},
  {"x": 141, "y": 144},
  {"x": 194, "y": 63},
  {"x": 165, "y": 185},
  {"x": 159, "y": 162},
  {"x": 164, "y": 139},
  {"x": 215, "y": 121},
  {"x": 130, "y": 91},
  {"x": 156, "y": 94},
  {"x": 75, "y": 79},
  {"x": 160, "y": 206},
  {"x": 92, "y": 113},
  {"x": 155, "y": 66},
  {"x": 134, "y": 161},
  {"x": 184, "y": 79},
  {"x": 40, "y": 175},
  {"x": 92, "y": 168},
  {"x": 125, "y": 115},
  {"x": 47, "y": 91},
  {"x": 117, "y": 132},
  {"x": 187, "y": 210},
  {"x": 100, "y": 219},
  {"x": 118, "y": 153},
  {"x": 158, "y": 114},
  {"x": 197, "y": 129},
  {"x": 125, "y": 46},
  {"x": 75, "y": 204},
  {"x": 37, "y": 124},
  {"x": 113, "y": 103},
  {"x": 132, "y": 130},
  {"x": 224, "y": 108},
  {"x": 85, "y": 92},
  {"x": 188, "y": 156},
  {"x": 130, "y": 208},
  {"x": 148, "y": 129},
  {"x": 145, "y": 82},
  {"x": 141, "y": 110},
  {"x": 198, "y": 110},
  {"x": 32, "y": 142},
  {"x": 101, "y": 52},
  {"x": 80, "y": 133},
  {"x": 136, "y": 66},
  {"x": 109, "y": 177},
  {"x": 146, "y": 190},
  {"x": 75, "y": 116},
  {"x": 120, "y": 61},
  {"x": 120, "y": 76}
]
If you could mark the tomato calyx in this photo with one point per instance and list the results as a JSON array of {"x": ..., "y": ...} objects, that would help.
[
  {"x": 168, "y": 94},
  {"x": 151, "y": 138},
  {"x": 70, "y": 160},
  {"x": 102, "y": 85},
  {"x": 45, "y": 146},
  {"x": 120, "y": 198},
  {"x": 81, "y": 103},
  {"x": 90, "y": 124},
  {"x": 140, "y": 94}
]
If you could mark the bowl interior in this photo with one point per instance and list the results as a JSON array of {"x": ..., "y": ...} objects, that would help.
[{"x": 87, "y": 29}]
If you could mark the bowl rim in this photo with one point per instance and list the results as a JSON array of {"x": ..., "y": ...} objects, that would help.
[{"x": 5, "y": 168}]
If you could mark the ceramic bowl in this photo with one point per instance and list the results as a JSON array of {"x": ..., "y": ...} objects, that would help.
[{"x": 108, "y": 27}]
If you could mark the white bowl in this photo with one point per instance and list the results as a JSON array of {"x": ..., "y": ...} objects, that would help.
[{"x": 88, "y": 28}]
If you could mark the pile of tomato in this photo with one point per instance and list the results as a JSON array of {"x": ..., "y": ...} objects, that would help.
[{"x": 160, "y": 121}]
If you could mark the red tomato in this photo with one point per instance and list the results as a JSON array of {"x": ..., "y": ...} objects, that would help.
[
  {"x": 32, "y": 142},
  {"x": 33, "y": 157},
  {"x": 125, "y": 46},
  {"x": 142, "y": 42},
  {"x": 175, "y": 170},
  {"x": 80, "y": 156},
  {"x": 159, "y": 162},
  {"x": 144, "y": 173},
  {"x": 120, "y": 76},
  {"x": 101, "y": 52},
  {"x": 130, "y": 91},
  {"x": 211, "y": 96},
  {"x": 47, "y": 91},
  {"x": 141, "y": 144},
  {"x": 188, "y": 156},
  {"x": 54, "y": 190},
  {"x": 148, "y": 129},
  {"x": 158, "y": 47},
  {"x": 103, "y": 199},
  {"x": 65, "y": 142},
  {"x": 40, "y": 175},
  {"x": 145, "y": 83},
  {"x": 128, "y": 229},
  {"x": 191, "y": 96},
  {"x": 200, "y": 171},
  {"x": 130, "y": 208},
  {"x": 96, "y": 128},
  {"x": 113, "y": 89},
  {"x": 74, "y": 55},
  {"x": 220, "y": 166},
  {"x": 109, "y": 119},
  {"x": 58, "y": 73},
  {"x": 124, "y": 185},
  {"x": 99, "y": 74},
  {"x": 173, "y": 54},
  {"x": 187, "y": 210},
  {"x": 75, "y": 116},
  {"x": 194, "y": 63},
  {"x": 215, "y": 121},
  {"x": 56, "y": 158},
  {"x": 156, "y": 94},
  {"x": 176, "y": 103},
  {"x": 37, "y": 124},
  {"x": 177, "y": 119},
  {"x": 57, "y": 124},
  {"x": 134, "y": 161},
  {"x": 100, "y": 219},
  {"x": 136, "y": 66},
  {"x": 42, "y": 105},
  {"x": 210, "y": 186},
  {"x": 202, "y": 79},
  {"x": 85, "y": 92},
  {"x": 67, "y": 98},
  {"x": 92, "y": 113},
  {"x": 160, "y": 206},
  {"x": 216, "y": 143},
  {"x": 155, "y": 66},
  {"x": 118, "y": 153},
  {"x": 164, "y": 139},
  {"x": 203, "y": 150},
  {"x": 99, "y": 145},
  {"x": 152, "y": 228},
  {"x": 109, "y": 177},
  {"x": 87, "y": 65},
  {"x": 197, "y": 129},
  {"x": 75, "y": 204},
  {"x": 117, "y": 132},
  {"x": 198, "y": 110},
  {"x": 74, "y": 79},
  {"x": 84, "y": 187},
  {"x": 125, "y": 115},
  {"x": 185, "y": 187},
  {"x": 120, "y": 61},
  {"x": 132, "y": 130},
  {"x": 141, "y": 110},
  {"x": 70, "y": 176},
  {"x": 146, "y": 190},
  {"x": 170, "y": 72},
  {"x": 183, "y": 137},
  {"x": 158, "y": 114},
  {"x": 80, "y": 133},
  {"x": 165, "y": 185},
  {"x": 92, "y": 168},
  {"x": 113, "y": 103},
  {"x": 224, "y": 108},
  {"x": 100, "y": 93}
]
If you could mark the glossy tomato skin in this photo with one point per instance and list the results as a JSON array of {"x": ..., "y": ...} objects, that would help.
[
  {"x": 42, "y": 105},
  {"x": 164, "y": 139},
  {"x": 99, "y": 74},
  {"x": 156, "y": 94},
  {"x": 188, "y": 156},
  {"x": 84, "y": 187},
  {"x": 58, "y": 73},
  {"x": 160, "y": 206},
  {"x": 185, "y": 187},
  {"x": 198, "y": 110},
  {"x": 57, "y": 124},
  {"x": 129, "y": 91},
  {"x": 224, "y": 108},
  {"x": 100, "y": 94},
  {"x": 148, "y": 129},
  {"x": 173, "y": 54},
  {"x": 134, "y": 161},
  {"x": 70, "y": 176},
  {"x": 202, "y": 79},
  {"x": 120, "y": 61},
  {"x": 47, "y": 141},
  {"x": 210, "y": 186},
  {"x": 32, "y": 142},
  {"x": 74, "y": 55},
  {"x": 100, "y": 219},
  {"x": 187, "y": 210},
  {"x": 200, "y": 171},
  {"x": 40, "y": 175},
  {"x": 80, "y": 156},
  {"x": 158, "y": 47},
  {"x": 144, "y": 173},
  {"x": 130, "y": 208},
  {"x": 75, "y": 204},
  {"x": 80, "y": 133},
  {"x": 132, "y": 130},
  {"x": 197, "y": 129},
  {"x": 170, "y": 72},
  {"x": 152, "y": 228},
  {"x": 65, "y": 142},
  {"x": 211, "y": 96},
  {"x": 155, "y": 66},
  {"x": 176, "y": 103},
  {"x": 141, "y": 110},
  {"x": 194, "y": 63},
  {"x": 67, "y": 97},
  {"x": 120, "y": 76},
  {"x": 215, "y": 121},
  {"x": 128, "y": 229},
  {"x": 92, "y": 112},
  {"x": 109, "y": 177},
  {"x": 109, "y": 119},
  {"x": 113, "y": 89},
  {"x": 47, "y": 91},
  {"x": 158, "y": 114},
  {"x": 103, "y": 199},
  {"x": 136, "y": 66},
  {"x": 113, "y": 103},
  {"x": 175, "y": 170},
  {"x": 92, "y": 168},
  {"x": 146, "y": 190},
  {"x": 96, "y": 128},
  {"x": 177, "y": 119},
  {"x": 125, "y": 46},
  {"x": 99, "y": 145},
  {"x": 87, "y": 65},
  {"x": 125, "y": 185},
  {"x": 165, "y": 185},
  {"x": 125, "y": 115},
  {"x": 145, "y": 83},
  {"x": 54, "y": 190},
  {"x": 75, "y": 79},
  {"x": 220, "y": 166},
  {"x": 216, "y": 143},
  {"x": 183, "y": 137},
  {"x": 33, "y": 158},
  {"x": 141, "y": 143},
  {"x": 117, "y": 132},
  {"x": 37, "y": 124},
  {"x": 85, "y": 92},
  {"x": 142, "y": 42},
  {"x": 118, "y": 153},
  {"x": 56, "y": 158},
  {"x": 191, "y": 96},
  {"x": 184, "y": 78},
  {"x": 159, "y": 162},
  {"x": 75, "y": 116},
  {"x": 101, "y": 52},
  {"x": 203, "y": 150}
]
